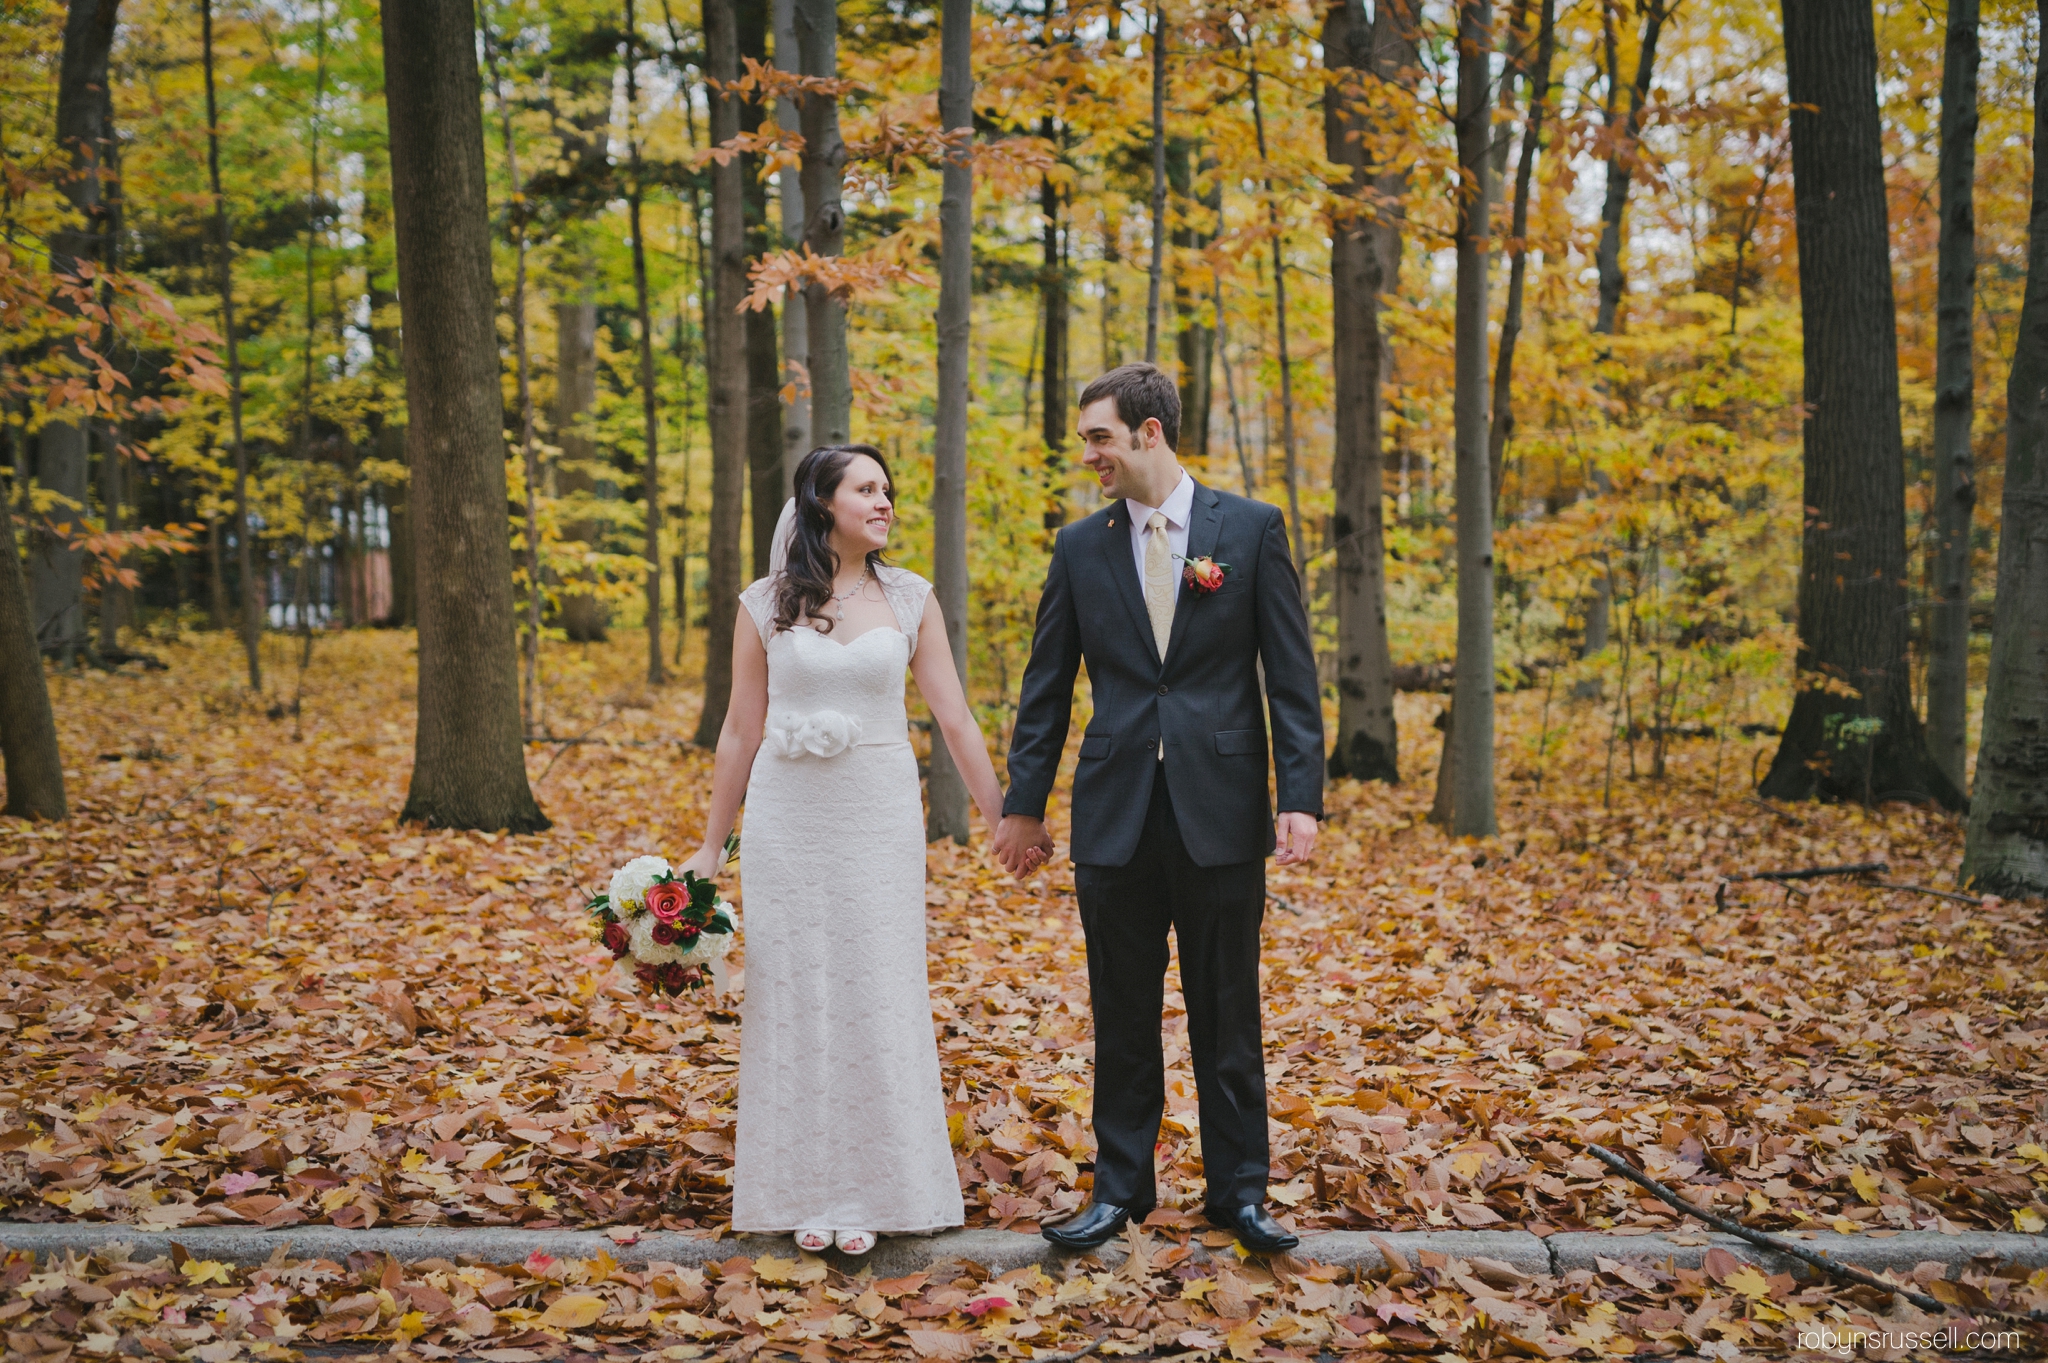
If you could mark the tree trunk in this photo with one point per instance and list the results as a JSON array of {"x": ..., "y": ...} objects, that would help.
[
  {"x": 650, "y": 478},
  {"x": 1471, "y": 741},
  {"x": 1852, "y": 733},
  {"x": 2007, "y": 848},
  {"x": 1955, "y": 489},
  {"x": 817, "y": 35},
  {"x": 584, "y": 617},
  {"x": 796, "y": 330},
  {"x": 531, "y": 716},
  {"x": 1157, "y": 270},
  {"x": 85, "y": 133},
  {"x": 28, "y": 732},
  {"x": 766, "y": 453},
  {"x": 1052, "y": 296},
  {"x": 1367, "y": 747},
  {"x": 1287, "y": 445},
  {"x": 1621, "y": 156},
  {"x": 945, "y": 789},
  {"x": 1195, "y": 342},
  {"x": 469, "y": 769},
  {"x": 251, "y": 622},
  {"x": 1518, "y": 249},
  {"x": 726, "y": 353}
]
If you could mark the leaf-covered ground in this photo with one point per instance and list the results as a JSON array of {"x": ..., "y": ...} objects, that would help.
[
  {"x": 233, "y": 990},
  {"x": 1163, "y": 1300}
]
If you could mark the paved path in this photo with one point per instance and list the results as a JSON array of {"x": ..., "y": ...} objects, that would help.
[{"x": 1004, "y": 1250}]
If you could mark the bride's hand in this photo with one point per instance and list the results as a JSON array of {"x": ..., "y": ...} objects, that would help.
[{"x": 706, "y": 863}]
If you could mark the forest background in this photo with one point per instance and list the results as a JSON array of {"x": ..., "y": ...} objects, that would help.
[{"x": 1647, "y": 452}]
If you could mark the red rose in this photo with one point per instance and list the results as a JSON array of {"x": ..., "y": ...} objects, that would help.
[
  {"x": 1204, "y": 575},
  {"x": 616, "y": 939},
  {"x": 667, "y": 900},
  {"x": 664, "y": 933}
]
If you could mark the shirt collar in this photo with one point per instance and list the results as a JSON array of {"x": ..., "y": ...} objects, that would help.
[{"x": 1178, "y": 506}]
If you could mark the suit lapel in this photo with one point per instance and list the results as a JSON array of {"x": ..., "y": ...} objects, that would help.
[
  {"x": 1123, "y": 573},
  {"x": 1205, "y": 525}
]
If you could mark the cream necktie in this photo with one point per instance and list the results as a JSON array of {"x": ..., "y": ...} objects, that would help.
[{"x": 1159, "y": 581}]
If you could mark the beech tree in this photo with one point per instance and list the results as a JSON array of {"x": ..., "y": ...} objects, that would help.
[
  {"x": 726, "y": 356},
  {"x": 945, "y": 790},
  {"x": 2007, "y": 848},
  {"x": 34, "y": 764},
  {"x": 824, "y": 169},
  {"x": 1955, "y": 492},
  {"x": 1468, "y": 742},
  {"x": 1853, "y": 733},
  {"x": 1365, "y": 248},
  {"x": 469, "y": 766}
]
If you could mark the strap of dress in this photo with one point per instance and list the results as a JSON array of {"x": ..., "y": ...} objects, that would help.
[
  {"x": 759, "y": 599},
  {"x": 906, "y": 592}
]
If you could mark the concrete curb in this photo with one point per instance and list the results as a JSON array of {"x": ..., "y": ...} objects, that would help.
[{"x": 1005, "y": 1250}]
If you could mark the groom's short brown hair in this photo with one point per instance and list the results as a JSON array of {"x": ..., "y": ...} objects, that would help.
[{"x": 1141, "y": 391}]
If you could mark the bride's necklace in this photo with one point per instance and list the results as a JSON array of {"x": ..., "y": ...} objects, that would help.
[{"x": 859, "y": 582}]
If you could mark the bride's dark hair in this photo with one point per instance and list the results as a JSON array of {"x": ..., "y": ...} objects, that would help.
[{"x": 806, "y": 581}]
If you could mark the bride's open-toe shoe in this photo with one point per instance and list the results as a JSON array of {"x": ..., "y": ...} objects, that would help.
[
  {"x": 855, "y": 1242},
  {"x": 814, "y": 1241}
]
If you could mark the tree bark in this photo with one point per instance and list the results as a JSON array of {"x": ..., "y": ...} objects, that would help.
[
  {"x": 585, "y": 619},
  {"x": 1621, "y": 154},
  {"x": 85, "y": 133},
  {"x": 1195, "y": 342},
  {"x": 1052, "y": 295},
  {"x": 2006, "y": 851},
  {"x": 1367, "y": 746},
  {"x": 1287, "y": 445},
  {"x": 796, "y": 327},
  {"x": 1157, "y": 270},
  {"x": 1471, "y": 739},
  {"x": 817, "y": 34},
  {"x": 1955, "y": 489},
  {"x": 1518, "y": 249},
  {"x": 469, "y": 769},
  {"x": 28, "y": 731},
  {"x": 650, "y": 478},
  {"x": 766, "y": 479},
  {"x": 946, "y": 790},
  {"x": 726, "y": 353},
  {"x": 1852, "y": 733}
]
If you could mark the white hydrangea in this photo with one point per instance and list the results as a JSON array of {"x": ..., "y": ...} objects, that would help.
[{"x": 631, "y": 881}]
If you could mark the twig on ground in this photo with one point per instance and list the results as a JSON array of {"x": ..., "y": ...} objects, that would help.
[
  {"x": 1090, "y": 1347},
  {"x": 1815, "y": 872},
  {"x": 165, "y": 812},
  {"x": 1765, "y": 1240},
  {"x": 1283, "y": 903},
  {"x": 565, "y": 745},
  {"x": 1926, "y": 889},
  {"x": 1792, "y": 819}
]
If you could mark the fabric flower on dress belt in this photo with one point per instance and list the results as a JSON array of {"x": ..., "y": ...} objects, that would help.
[{"x": 822, "y": 733}]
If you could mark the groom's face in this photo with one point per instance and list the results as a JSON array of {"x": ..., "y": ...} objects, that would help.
[{"x": 1125, "y": 462}]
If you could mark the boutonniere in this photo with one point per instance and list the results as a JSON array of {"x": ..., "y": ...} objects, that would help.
[{"x": 1203, "y": 575}]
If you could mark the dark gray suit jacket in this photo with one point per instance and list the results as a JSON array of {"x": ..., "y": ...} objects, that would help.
[{"x": 1201, "y": 701}]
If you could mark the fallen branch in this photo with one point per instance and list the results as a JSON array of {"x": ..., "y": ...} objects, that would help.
[
  {"x": 1090, "y": 1347},
  {"x": 1926, "y": 889},
  {"x": 1765, "y": 1240},
  {"x": 1792, "y": 819},
  {"x": 1815, "y": 872},
  {"x": 1283, "y": 903}
]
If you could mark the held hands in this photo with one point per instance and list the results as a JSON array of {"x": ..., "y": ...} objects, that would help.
[
  {"x": 1022, "y": 844},
  {"x": 1294, "y": 836}
]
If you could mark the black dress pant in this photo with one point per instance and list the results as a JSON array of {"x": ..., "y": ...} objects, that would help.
[{"x": 1215, "y": 913}]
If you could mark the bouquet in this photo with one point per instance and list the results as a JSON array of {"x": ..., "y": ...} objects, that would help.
[{"x": 674, "y": 931}]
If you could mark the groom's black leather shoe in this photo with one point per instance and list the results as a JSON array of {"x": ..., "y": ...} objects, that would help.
[
  {"x": 1094, "y": 1225},
  {"x": 1254, "y": 1229}
]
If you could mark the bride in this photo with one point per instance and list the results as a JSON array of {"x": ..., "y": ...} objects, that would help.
[{"x": 842, "y": 1122}]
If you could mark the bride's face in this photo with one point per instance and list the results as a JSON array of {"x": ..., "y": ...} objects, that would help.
[{"x": 861, "y": 510}]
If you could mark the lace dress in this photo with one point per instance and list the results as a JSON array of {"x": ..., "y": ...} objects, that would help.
[{"x": 842, "y": 1121}]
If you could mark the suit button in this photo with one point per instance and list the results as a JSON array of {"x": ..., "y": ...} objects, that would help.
[{"x": 1162, "y": 690}]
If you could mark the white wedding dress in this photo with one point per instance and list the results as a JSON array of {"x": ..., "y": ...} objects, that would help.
[{"x": 842, "y": 1120}]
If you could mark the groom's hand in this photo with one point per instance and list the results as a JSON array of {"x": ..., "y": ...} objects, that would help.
[
  {"x": 1294, "y": 837},
  {"x": 1023, "y": 844}
]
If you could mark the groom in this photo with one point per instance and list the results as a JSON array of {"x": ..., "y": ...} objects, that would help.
[{"x": 1171, "y": 821}]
